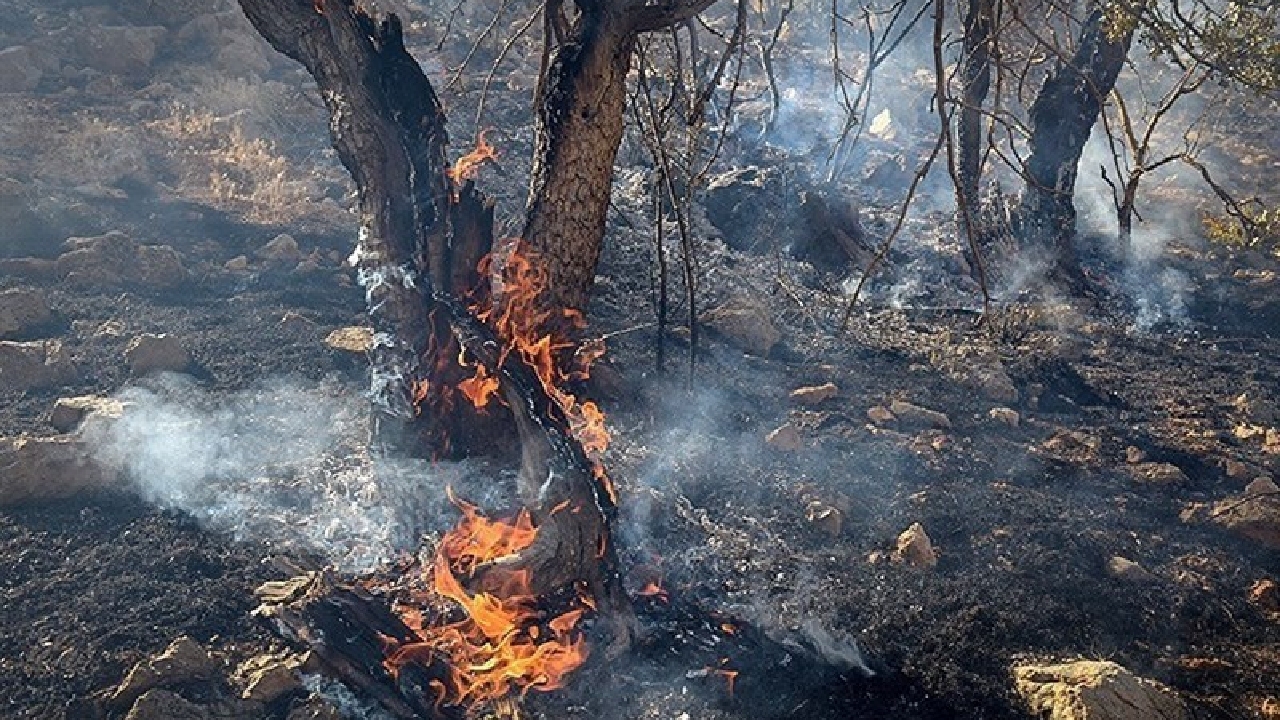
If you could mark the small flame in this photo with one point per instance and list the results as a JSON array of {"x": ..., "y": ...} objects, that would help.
[
  {"x": 468, "y": 166},
  {"x": 730, "y": 676},
  {"x": 654, "y": 590}
]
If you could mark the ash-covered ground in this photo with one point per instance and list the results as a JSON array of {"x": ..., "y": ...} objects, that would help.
[{"x": 1091, "y": 477}]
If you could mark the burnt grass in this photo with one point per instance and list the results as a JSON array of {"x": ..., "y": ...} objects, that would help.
[{"x": 90, "y": 585}]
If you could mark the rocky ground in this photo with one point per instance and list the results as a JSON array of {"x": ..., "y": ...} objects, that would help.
[{"x": 1051, "y": 508}]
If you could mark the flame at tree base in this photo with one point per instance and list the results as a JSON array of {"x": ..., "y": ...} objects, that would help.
[{"x": 505, "y": 644}]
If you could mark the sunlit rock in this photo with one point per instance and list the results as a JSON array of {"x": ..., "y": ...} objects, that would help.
[
  {"x": 814, "y": 395},
  {"x": 46, "y": 468},
  {"x": 67, "y": 413},
  {"x": 1255, "y": 514},
  {"x": 915, "y": 548},
  {"x": 1094, "y": 690},
  {"x": 785, "y": 438},
  {"x": 28, "y": 365}
]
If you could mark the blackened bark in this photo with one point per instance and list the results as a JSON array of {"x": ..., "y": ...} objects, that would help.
[
  {"x": 388, "y": 129},
  {"x": 976, "y": 83},
  {"x": 1062, "y": 116},
  {"x": 419, "y": 248}
]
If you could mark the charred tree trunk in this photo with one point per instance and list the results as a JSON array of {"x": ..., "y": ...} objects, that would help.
[
  {"x": 1062, "y": 116},
  {"x": 581, "y": 105},
  {"x": 975, "y": 84},
  {"x": 388, "y": 129}
]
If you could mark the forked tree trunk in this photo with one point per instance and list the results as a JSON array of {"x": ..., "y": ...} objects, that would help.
[
  {"x": 1062, "y": 116},
  {"x": 418, "y": 251}
]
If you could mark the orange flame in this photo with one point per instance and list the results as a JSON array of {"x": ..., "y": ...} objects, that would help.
[
  {"x": 503, "y": 645},
  {"x": 654, "y": 589},
  {"x": 468, "y": 166},
  {"x": 539, "y": 337}
]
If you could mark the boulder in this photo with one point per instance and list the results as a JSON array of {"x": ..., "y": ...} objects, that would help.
[
  {"x": 119, "y": 49},
  {"x": 19, "y": 71},
  {"x": 68, "y": 412},
  {"x": 745, "y": 323},
  {"x": 281, "y": 248},
  {"x": 1005, "y": 416},
  {"x": 1070, "y": 446},
  {"x": 269, "y": 677},
  {"x": 996, "y": 385},
  {"x": 1255, "y": 515},
  {"x": 785, "y": 438},
  {"x": 814, "y": 395},
  {"x": 116, "y": 259},
  {"x": 742, "y": 203},
  {"x": 915, "y": 548},
  {"x": 161, "y": 704},
  {"x": 920, "y": 416},
  {"x": 880, "y": 415},
  {"x": 1094, "y": 690},
  {"x": 1265, "y": 595},
  {"x": 1158, "y": 473},
  {"x": 185, "y": 661},
  {"x": 1124, "y": 569},
  {"x": 355, "y": 339},
  {"x": 22, "y": 311},
  {"x": 156, "y": 353},
  {"x": 23, "y": 232},
  {"x": 37, "y": 364},
  {"x": 46, "y": 468}
]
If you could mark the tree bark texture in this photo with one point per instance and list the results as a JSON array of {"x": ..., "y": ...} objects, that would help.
[
  {"x": 581, "y": 105},
  {"x": 1062, "y": 116},
  {"x": 579, "y": 127},
  {"x": 975, "y": 84}
]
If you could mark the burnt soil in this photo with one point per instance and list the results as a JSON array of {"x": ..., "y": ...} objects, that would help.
[{"x": 92, "y": 584}]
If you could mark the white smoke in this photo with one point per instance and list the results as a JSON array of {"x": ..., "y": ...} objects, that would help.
[{"x": 283, "y": 463}]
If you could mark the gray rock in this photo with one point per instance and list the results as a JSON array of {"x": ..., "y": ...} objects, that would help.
[
  {"x": 156, "y": 353},
  {"x": 746, "y": 324},
  {"x": 116, "y": 259},
  {"x": 921, "y": 416},
  {"x": 23, "y": 232},
  {"x": 1158, "y": 473},
  {"x": 19, "y": 71},
  {"x": 22, "y": 311},
  {"x": 28, "y": 365},
  {"x": 119, "y": 49}
]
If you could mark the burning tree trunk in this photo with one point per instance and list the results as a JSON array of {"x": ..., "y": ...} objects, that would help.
[
  {"x": 1062, "y": 117},
  {"x": 424, "y": 230},
  {"x": 388, "y": 129}
]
